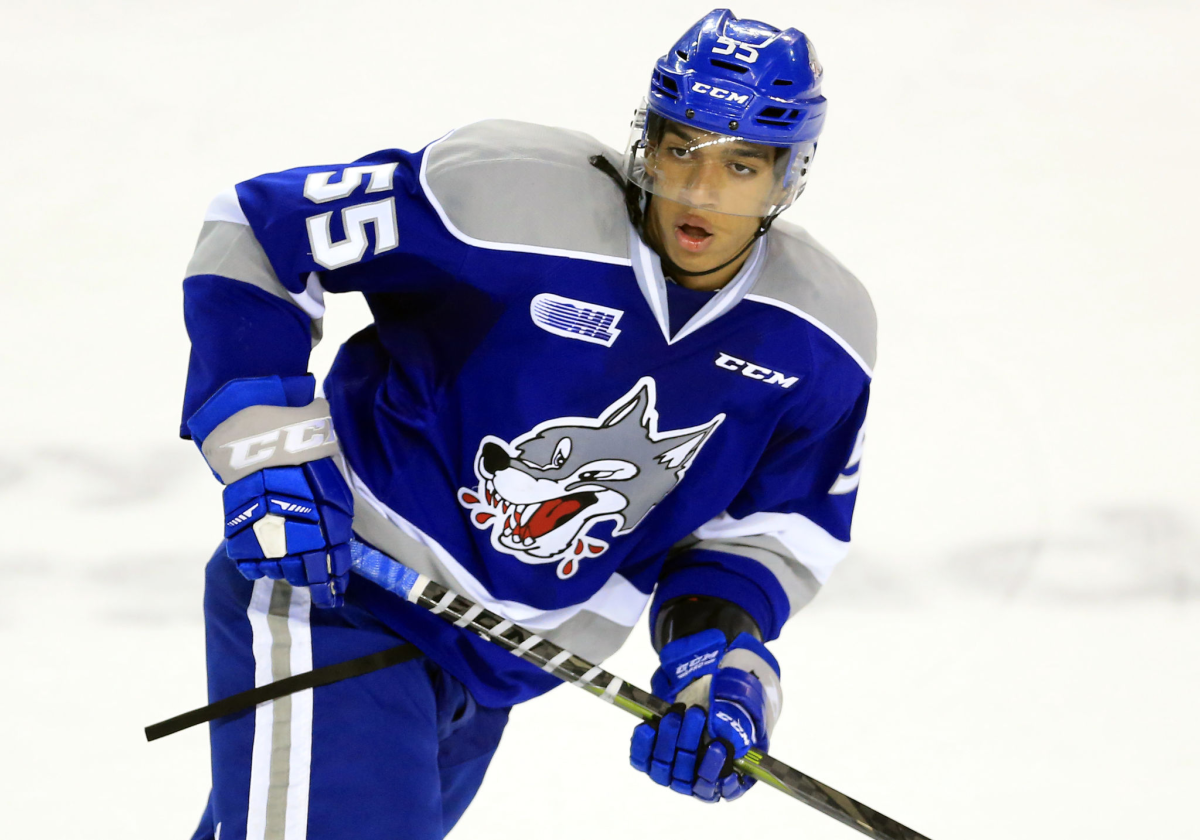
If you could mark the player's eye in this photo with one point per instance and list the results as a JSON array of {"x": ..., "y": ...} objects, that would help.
[
  {"x": 679, "y": 152},
  {"x": 742, "y": 169}
]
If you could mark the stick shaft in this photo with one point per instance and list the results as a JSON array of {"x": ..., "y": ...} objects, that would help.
[{"x": 555, "y": 660}]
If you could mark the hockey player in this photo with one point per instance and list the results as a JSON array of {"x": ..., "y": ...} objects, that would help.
[{"x": 594, "y": 381}]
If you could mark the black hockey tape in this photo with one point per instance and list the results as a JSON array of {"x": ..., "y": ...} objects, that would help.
[
  {"x": 281, "y": 688},
  {"x": 675, "y": 707}
]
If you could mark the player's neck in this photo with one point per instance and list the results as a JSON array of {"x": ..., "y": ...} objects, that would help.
[{"x": 706, "y": 282}]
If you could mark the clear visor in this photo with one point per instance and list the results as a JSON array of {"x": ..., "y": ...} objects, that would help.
[{"x": 723, "y": 173}]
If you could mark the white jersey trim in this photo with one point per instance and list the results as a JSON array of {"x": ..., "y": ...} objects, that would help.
[
  {"x": 800, "y": 313},
  {"x": 814, "y": 547},
  {"x": 618, "y": 600},
  {"x": 312, "y": 299},
  {"x": 501, "y": 246},
  {"x": 226, "y": 208},
  {"x": 647, "y": 266}
]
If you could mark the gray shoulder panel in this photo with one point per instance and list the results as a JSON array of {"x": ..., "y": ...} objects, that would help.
[
  {"x": 502, "y": 183},
  {"x": 801, "y": 275},
  {"x": 231, "y": 250}
]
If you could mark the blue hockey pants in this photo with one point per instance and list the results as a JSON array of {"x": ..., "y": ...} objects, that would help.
[{"x": 396, "y": 753}]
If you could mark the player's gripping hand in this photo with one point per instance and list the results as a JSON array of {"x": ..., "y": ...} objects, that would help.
[
  {"x": 727, "y": 698},
  {"x": 293, "y": 523},
  {"x": 287, "y": 507}
]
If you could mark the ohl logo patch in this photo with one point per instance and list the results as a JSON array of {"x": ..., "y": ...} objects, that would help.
[
  {"x": 541, "y": 494},
  {"x": 570, "y": 318}
]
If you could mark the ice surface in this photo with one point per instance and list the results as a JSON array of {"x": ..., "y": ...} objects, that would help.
[{"x": 1013, "y": 647}]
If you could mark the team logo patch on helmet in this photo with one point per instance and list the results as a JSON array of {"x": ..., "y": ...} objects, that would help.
[{"x": 541, "y": 494}]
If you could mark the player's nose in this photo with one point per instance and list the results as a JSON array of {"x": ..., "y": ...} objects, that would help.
[
  {"x": 703, "y": 187},
  {"x": 494, "y": 459}
]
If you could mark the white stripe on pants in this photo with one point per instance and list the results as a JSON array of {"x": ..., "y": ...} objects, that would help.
[{"x": 282, "y": 752}]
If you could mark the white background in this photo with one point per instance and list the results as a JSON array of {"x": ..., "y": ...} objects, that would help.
[{"x": 1012, "y": 648}]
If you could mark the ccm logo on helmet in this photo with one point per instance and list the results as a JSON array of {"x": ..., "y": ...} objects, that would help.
[
  {"x": 753, "y": 371},
  {"x": 721, "y": 93}
]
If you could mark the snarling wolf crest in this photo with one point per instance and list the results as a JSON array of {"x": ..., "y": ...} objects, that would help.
[{"x": 541, "y": 493}]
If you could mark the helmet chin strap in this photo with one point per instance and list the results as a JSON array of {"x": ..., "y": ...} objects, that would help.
[{"x": 636, "y": 202}]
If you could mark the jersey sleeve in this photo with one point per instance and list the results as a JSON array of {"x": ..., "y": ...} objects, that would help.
[
  {"x": 254, "y": 291},
  {"x": 785, "y": 531}
]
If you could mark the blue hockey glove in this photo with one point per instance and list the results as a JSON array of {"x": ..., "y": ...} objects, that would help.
[
  {"x": 293, "y": 523},
  {"x": 727, "y": 699},
  {"x": 287, "y": 508}
]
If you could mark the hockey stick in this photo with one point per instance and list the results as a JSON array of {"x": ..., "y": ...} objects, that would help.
[{"x": 461, "y": 612}]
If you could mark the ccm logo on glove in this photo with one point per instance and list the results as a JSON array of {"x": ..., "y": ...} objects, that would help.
[
  {"x": 297, "y": 437},
  {"x": 264, "y": 436},
  {"x": 696, "y": 663},
  {"x": 737, "y": 727}
]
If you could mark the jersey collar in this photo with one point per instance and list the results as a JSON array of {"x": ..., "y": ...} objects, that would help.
[{"x": 647, "y": 267}]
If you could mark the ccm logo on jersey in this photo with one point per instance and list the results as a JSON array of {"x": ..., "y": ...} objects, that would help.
[
  {"x": 753, "y": 371},
  {"x": 721, "y": 93},
  {"x": 576, "y": 319},
  {"x": 297, "y": 437}
]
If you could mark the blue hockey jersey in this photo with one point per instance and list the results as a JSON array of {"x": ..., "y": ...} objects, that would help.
[{"x": 536, "y": 418}]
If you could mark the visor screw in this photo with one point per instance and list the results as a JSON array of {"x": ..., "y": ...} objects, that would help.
[
  {"x": 689, "y": 113},
  {"x": 733, "y": 124}
]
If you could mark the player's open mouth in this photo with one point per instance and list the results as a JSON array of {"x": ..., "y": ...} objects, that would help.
[{"x": 693, "y": 233}]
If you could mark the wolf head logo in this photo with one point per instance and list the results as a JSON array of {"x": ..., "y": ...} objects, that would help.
[{"x": 541, "y": 493}]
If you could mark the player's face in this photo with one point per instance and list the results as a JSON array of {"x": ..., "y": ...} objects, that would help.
[{"x": 701, "y": 189}]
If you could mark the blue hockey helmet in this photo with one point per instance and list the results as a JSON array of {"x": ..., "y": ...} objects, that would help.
[{"x": 729, "y": 84}]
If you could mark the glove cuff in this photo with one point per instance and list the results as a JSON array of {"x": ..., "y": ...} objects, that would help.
[
  {"x": 749, "y": 654},
  {"x": 238, "y": 394},
  {"x": 252, "y": 424}
]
